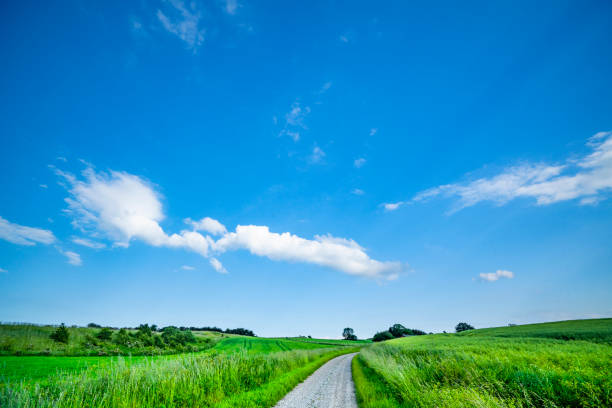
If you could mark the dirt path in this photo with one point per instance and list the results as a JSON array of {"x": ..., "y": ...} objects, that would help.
[{"x": 331, "y": 386}]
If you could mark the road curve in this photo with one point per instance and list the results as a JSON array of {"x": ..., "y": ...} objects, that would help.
[{"x": 331, "y": 386}]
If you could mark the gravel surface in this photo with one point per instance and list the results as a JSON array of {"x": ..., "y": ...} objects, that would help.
[{"x": 331, "y": 386}]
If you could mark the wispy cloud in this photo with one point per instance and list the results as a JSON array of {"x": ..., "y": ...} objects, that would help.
[
  {"x": 88, "y": 243},
  {"x": 494, "y": 276},
  {"x": 187, "y": 268},
  {"x": 344, "y": 38},
  {"x": 357, "y": 191},
  {"x": 73, "y": 257},
  {"x": 183, "y": 21},
  {"x": 373, "y": 131},
  {"x": 2, "y": 270},
  {"x": 123, "y": 207},
  {"x": 43, "y": 186},
  {"x": 22, "y": 235},
  {"x": 317, "y": 155},
  {"x": 231, "y": 6},
  {"x": 294, "y": 121},
  {"x": 359, "y": 162},
  {"x": 586, "y": 179},
  {"x": 392, "y": 206},
  {"x": 217, "y": 266},
  {"x": 325, "y": 87}
]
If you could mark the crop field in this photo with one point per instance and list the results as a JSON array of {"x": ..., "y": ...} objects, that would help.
[
  {"x": 245, "y": 379},
  {"x": 263, "y": 345},
  {"x": 520, "y": 366},
  {"x": 331, "y": 342}
]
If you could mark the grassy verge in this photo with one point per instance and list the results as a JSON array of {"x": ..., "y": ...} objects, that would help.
[
  {"x": 195, "y": 380},
  {"x": 480, "y": 371},
  {"x": 371, "y": 390}
]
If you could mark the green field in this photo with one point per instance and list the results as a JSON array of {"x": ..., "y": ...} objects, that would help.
[
  {"x": 253, "y": 375},
  {"x": 331, "y": 342},
  {"x": 520, "y": 366}
]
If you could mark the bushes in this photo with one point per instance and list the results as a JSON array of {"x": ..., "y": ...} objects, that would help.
[
  {"x": 382, "y": 336},
  {"x": 395, "y": 331},
  {"x": 463, "y": 327},
  {"x": 105, "y": 334},
  {"x": 60, "y": 334}
]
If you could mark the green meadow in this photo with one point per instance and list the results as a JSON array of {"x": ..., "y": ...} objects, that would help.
[
  {"x": 559, "y": 364},
  {"x": 562, "y": 364}
]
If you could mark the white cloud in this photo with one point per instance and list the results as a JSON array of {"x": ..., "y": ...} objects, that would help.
[
  {"x": 586, "y": 179},
  {"x": 359, "y": 162},
  {"x": 294, "y": 121},
  {"x": 43, "y": 186},
  {"x": 214, "y": 262},
  {"x": 21, "y": 235},
  {"x": 73, "y": 257},
  {"x": 231, "y": 6},
  {"x": 2, "y": 270},
  {"x": 373, "y": 131},
  {"x": 392, "y": 206},
  {"x": 60, "y": 158},
  {"x": 207, "y": 224},
  {"x": 187, "y": 268},
  {"x": 325, "y": 87},
  {"x": 358, "y": 191},
  {"x": 123, "y": 207},
  {"x": 337, "y": 253},
  {"x": 317, "y": 155},
  {"x": 183, "y": 21},
  {"x": 88, "y": 243},
  {"x": 493, "y": 276}
]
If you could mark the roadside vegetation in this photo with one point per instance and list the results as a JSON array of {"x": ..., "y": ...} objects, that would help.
[
  {"x": 215, "y": 378},
  {"x": 540, "y": 365}
]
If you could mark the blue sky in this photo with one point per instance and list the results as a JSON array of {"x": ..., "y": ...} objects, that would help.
[{"x": 299, "y": 168}]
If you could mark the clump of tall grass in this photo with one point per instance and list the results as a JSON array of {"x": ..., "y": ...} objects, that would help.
[
  {"x": 454, "y": 371},
  {"x": 195, "y": 380}
]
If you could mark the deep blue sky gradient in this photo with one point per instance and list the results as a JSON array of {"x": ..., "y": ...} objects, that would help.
[{"x": 455, "y": 91}]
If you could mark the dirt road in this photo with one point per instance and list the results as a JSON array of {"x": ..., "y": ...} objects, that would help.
[{"x": 331, "y": 386}]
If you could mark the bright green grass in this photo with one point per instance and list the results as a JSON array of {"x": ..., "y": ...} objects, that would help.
[
  {"x": 39, "y": 368},
  {"x": 209, "y": 379},
  {"x": 332, "y": 342},
  {"x": 263, "y": 345},
  {"x": 595, "y": 330},
  {"x": 476, "y": 370}
]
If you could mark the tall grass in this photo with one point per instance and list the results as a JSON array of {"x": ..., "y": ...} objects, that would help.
[
  {"x": 459, "y": 371},
  {"x": 196, "y": 380}
]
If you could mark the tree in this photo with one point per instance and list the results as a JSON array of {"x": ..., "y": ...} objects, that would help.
[
  {"x": 60, "y": 334},
  {"x": 349, "y": 334},
  {"x": 397, "y": 330},
  {"x": 463, "y": 327},
  {"x": 382, "y": 336},
  {"x": 105, "y": 334}
]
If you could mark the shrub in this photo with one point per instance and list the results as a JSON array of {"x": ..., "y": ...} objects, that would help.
[
  {"x": 94, "y": 326},
  {"x": 382, "y": 336},
  {"x": 60, "y": 334},
  {"x": 463, "y": 327},
  {"x": 122, "y": 337},
  {"x": 105, "y": 334}
]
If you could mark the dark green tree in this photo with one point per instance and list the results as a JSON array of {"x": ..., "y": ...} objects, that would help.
[
  {"x": 349, "y": 334},
  {"x": 463, "y": 327},
  {"x": 105, "y": 334},
  {"x": 60, "y": 334},
  {"x": 382, "y": 336}
]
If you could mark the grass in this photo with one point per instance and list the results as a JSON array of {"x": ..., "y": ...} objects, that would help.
[
  {"x": 244, "y": 379},
  {"x": 263, "y": 345},
  {"x": 331, "y": 342},
  {"x": 521, "y": 366}
]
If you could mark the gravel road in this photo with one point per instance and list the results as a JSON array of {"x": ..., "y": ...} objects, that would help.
[{"x": 331, "y": 386}]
